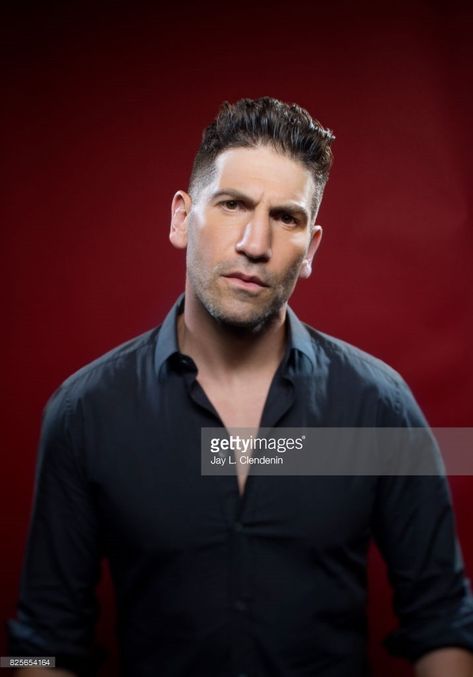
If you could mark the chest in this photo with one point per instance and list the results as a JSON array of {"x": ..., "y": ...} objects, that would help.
[
  {"x": 146, "y": 472},
  {"x": 159, "y": 503},
  {"x": 239, "y": 405}
]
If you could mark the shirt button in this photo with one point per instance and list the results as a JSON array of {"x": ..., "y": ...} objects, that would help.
[{"x": 240, "y": 605}]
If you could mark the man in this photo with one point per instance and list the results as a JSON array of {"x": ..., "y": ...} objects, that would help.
[{"x": 236, "y": 575}]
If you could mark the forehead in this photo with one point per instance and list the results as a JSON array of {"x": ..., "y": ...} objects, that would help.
[{"x": 262, "y": 172}]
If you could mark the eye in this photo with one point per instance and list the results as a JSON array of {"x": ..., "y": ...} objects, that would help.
[
  {"x": 286, "y": 218},
  {"x": 231, "y": 205}
]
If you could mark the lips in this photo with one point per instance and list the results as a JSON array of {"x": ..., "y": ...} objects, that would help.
[{"x": 249, "y": 279}]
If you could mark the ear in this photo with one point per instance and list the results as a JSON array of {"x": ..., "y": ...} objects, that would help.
[
  {"x": 306, "y": 268},
  {"x": 180, "y": 209}
]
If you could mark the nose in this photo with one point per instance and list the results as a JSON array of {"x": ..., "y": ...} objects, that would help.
[{"x": 255, "y": 242}]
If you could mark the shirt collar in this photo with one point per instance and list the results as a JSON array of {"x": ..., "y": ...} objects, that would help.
[
  {"x": 299, "y": 337},
  {"x": 166, "y": 345}
]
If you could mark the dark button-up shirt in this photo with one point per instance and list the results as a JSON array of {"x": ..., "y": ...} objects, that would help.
[{"x": 210, "y": 583}]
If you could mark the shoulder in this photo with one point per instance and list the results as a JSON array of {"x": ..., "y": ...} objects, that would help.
[
  {"x": 94, "y": 400},
  {"x": 115, "y": 371},
  {"x": 353, "y": 374},
  {"x": 352, "y": 361}
]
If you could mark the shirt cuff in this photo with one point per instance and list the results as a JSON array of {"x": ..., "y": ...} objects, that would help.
[
  {"x": 449, "y": 630},
  {"x": 23, "y": 640}
]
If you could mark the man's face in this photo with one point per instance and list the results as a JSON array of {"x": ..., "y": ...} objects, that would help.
[{"x": 249, "y": 235}]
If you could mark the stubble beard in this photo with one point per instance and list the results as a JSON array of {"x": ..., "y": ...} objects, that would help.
[{"x": 235, "y": 308}]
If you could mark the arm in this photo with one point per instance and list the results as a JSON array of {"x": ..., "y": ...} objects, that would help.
[
  {"x": 451, "y": 661},
  {"x": 414, "y": 528},
  {"x": 57, "y": 606},
  {"x": 415, "y": 532}
]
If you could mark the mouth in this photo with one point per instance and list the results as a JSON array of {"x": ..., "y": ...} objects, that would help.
[{"x": 248, "y": 282}]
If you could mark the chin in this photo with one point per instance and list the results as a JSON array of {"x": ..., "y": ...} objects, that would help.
[{"x": 243, "y": 318}]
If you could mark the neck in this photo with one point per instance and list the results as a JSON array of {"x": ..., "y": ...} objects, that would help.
[{"x": 228, "y": 350}]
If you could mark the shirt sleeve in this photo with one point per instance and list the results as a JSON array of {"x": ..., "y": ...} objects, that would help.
[
  {"x": 57, "y": 607},
  {"x": 414, "y": 528}
]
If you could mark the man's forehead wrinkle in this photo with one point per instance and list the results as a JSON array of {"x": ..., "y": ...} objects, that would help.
[
  {"x": 236, "y": 192},
  {"x": 278, "y": 203}
]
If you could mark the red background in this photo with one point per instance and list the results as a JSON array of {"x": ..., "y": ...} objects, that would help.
[{"x": 102, "y": 112}]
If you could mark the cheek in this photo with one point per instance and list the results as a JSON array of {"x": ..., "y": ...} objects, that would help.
[
  {"x": 214, "y": 242},
  {"x": 289, "y": 250},
  {"x": 203, "y": 251}
]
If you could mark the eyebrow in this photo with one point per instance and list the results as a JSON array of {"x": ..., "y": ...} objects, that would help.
[{"x": 293, "y": 210}]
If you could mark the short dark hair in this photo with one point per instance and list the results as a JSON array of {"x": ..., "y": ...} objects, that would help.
[{"x": 249, "y": 123}]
